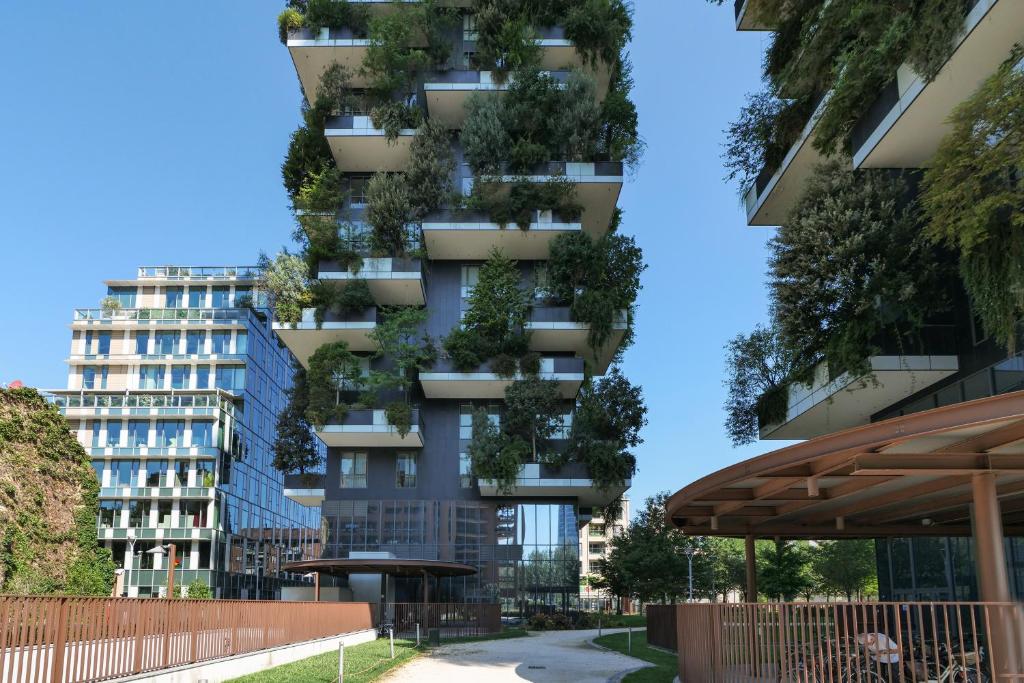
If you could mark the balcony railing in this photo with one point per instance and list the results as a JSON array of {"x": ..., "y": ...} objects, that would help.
[
  {"x": 144, "y": 400},
  {"x": 886, "y": 641},
  {"x": 161, "y": 314},
  {"x": 309, "y": 480},
  {"x": 199, "y": 272}
]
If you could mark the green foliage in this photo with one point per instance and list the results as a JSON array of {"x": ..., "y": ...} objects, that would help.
[
  {"x": 485, "y": 141},
  {"x": 850, "y": 266},
  {"x": 845, "y": 567},
  {"x": 399, "y": 337},
  {"x": 494, "y": 455},
  {"x": 497, "y": 312},
  {"x": 388, "y": 210},
  {"x": 619, "y": 137},
  {"x": 599, "y": 279},
  {"x": 393, "y": 117},
  {"x": 758, "y": 370},
  {"x": 399, "y": 414},
  {"x": 783, "y": 570},
  {"x": 336, "y": 14},
  {"x": 285, "y": 282},
  {"x": 289, "y": 19},
  {"x": 505, "y": 39},
  {"x": 198, "y": 590},
  {"x": 610, "y": 412},
  {"x": 295, "y": 447},
  {"x": 110, "y": 304},
  {"x": 308, "y": 155},
  {"x": 973, "y": 199},
  {"x": 332, "y": 369},
  {"x": 397, "y": 52},
  {"x": 49, "y": 494},
  {"x": 334, "y": 94},
  {"x": 762, "y": 136},
  {"x": 354, "y": 297},
  {"x": 533, "y": 413},
  {"x": 431, "y": 167},
  {"x": 600, "y": 29},
  {"x": 519, "y": 201}
]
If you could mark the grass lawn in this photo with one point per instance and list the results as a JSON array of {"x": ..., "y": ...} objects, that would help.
[
  {"x": 621, "y": 620},
  {"x": 664, "y": 669},
  {"x": 363, "y": 663}
]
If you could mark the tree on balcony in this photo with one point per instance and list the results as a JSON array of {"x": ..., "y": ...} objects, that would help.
[
  {"x": 333, "y": 369},
  {"x": 399, "y": 337},
  {"x": 974, "y": 199},
  {"x": 758, "y": 370},
  {"x": 294, "y": 445},
  {"x": 284, "y": 281}
]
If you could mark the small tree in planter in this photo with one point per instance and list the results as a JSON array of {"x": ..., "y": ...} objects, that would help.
[{"x": 110, "y": 305}]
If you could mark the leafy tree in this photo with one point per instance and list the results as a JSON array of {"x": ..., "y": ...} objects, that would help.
[
  {"x": 308, "y": 154},
  {"x": 846, "y": 567},
  {"x": 495, "y": 454},
  {"x": 295, "y": 448},
  {"x": 199, "y": 590},
  {"x": 335, "y": 14},
  {"x": 619, "y": 138},
  {"x": 285, "y": 283},
  {"x": 598, "y": 278},
  {"x": 973, "y": 199},
  {"x": 395, "y": 53},
  {"x": 758, "y": 369},
  {"x": 506, "y": 40},
  {"x": 332, "y": 369},
  {"x": 533, "y": 412},
  {"x": 388, "y": 211},
  {"x": 399, "y": 337},
  {"x": 431, "y": 166},
  {"x": 783, "y": 569},
  {"x": 849, "y": 268},
  {"x": 600, "y": 29},
  {"x": 485, "y": 141}
]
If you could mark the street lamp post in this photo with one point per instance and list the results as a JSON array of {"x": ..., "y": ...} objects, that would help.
[
  {"x": 131, "y": 560},
  {"x": 172, "y": 558},
  {"x": 690, "y": 552}
]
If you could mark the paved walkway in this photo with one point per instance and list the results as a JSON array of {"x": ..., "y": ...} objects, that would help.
[{"x": 550, "y": 657}]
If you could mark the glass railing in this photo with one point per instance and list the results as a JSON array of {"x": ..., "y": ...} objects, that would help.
[
  {"x": 199, "y": 272},
  {"x": 161, "y": 314},
  {"x": 206, "y": 400}
]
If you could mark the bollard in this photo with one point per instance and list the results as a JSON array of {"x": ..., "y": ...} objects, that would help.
[
  {"x": 629, "y": 641},
  {"x": 417, "y": 634},
  {"x": 391, "y": 636},
  {"x": 599, "y": 627},
  {"x": 341, "y": 661}
]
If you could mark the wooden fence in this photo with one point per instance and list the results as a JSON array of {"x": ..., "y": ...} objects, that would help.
[
  {"x": 906, "y": 642},
  {"x": 76, "y": 640},
  {"x": 661, "y": 626},
  {"x": 454, "y": 619}
]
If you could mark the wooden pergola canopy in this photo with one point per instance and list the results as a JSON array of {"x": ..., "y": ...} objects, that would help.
[{"x": 907, "y": 476}]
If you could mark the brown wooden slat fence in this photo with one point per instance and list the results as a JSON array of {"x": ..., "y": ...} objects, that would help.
[
  {"x": 454, "y": 619},
  {"x": 76, "y": 640},
  {"x": 905, "y": 642},
  {"x": 661, "y": 626}
]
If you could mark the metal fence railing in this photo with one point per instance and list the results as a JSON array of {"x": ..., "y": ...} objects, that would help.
[
  {"x": 453, "y": 619},
  {"x": 904, "y": 642},
  {"x": 77, "y": 640}
]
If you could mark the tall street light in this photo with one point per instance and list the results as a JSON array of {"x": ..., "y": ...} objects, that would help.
[
  {"x": 690, "y": 552},
  {"x": 172, "y": 559},
  {"x": 130, "y": 535}
]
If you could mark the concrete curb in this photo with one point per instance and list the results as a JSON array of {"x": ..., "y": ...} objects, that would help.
[{"x": 622, "y": 674}]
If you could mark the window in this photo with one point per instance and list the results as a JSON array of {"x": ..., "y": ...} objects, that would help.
[
  {"x": 231, "y": 379},
  {"x": 181, "y": 472},
  {"x": 466, "y": 419},
  {"x": 97, "y": 467},
  {"x": 104, "y": 371},
  {"x": 179, "y": 376},
  {"x": 465, "y": 471},
  {"x": 196, "y": 297},
  {"x": 151, "y": 377},
  {"x": 242, "y": 342},
  {"x": 94, "y": 428},
  {"x": 470, "y": 276},
  {"x": 124, "y": 295},
  {"x": 155, "y": 471},
  {"x": 103, "y": 343},
  {"x": 357, "y": 186},
  {"x": 142, "y": 343},
  {"x": 204, "y": 474},
  {"x": 170, "y": 433},
  {"x": 89, "y": 377},
  {"x": 242, "y": 294},
  {"x": 124, "y": 472},
  {"x": 172, "y": 297},
  {"x": 405, "y": 471},
  {"x": 202, "y": 377},
  {"x": 193, "y": 514},
  {"x": 194, "y": 342},
  {"x": 469, "y": 31},
  {"x": 110, "y": 513},
  {"x": 138, "y": 515},
  {"x": 353, "y": 470},
  {"x": 138, "y": 433},
  {"x": 221, "y": 297},
  {"x": 221, "y": 342},
  {"x": 163, "y": 513},
  {"x": 113, "y": 434},
  {"x": 597, "y": 548},
  {"x": 202, "y": 433},
  {"x": 166, "y": 342}
]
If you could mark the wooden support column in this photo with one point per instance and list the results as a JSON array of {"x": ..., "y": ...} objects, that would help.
[
  {"x": 993, "y": 582},
  {"x": 426, "y": 587},
  {"x": 316, "y": 586},
  {"x": 751, "y": 558}
]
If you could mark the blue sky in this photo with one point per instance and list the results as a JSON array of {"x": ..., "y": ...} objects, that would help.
[{"x": 152, "y": 133}]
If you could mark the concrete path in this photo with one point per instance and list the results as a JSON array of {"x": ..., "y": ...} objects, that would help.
[{"x": 550, "y": 657}]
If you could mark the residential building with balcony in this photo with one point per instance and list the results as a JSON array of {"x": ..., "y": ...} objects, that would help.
[
  {"x": 899, "y": 129},
  {"x": 411, "y": 491},
  {"x": 596, "y": 538},
  {"x": 174, "y": 385}
]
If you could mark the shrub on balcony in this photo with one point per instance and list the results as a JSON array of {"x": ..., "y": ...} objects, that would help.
[
  {"x": 393, "y": 117},
  {"x": 599, "y": 29},
  {"x": 400, "y": 337},
  {"x": 850, "y": 265},
  {"x": 758, "y": 369},
  {"x": 431, "y": 167},
  {"x": 334, "y": 93},
  {"x": 335, "y": 14},
  {"x": 354, "y": 297},
  {"x": 494, "y": 321},
  {"x": 533, "y": 413},
  {"x": 396, "y": 52},
  {"x": 494, "y": 455},
  {"x": 598, "y": 278},
  {"x": 974, "y": 198},
  {"x": 284, "y": 280},
  {"x": 399, "y": 415},
  {"x": 520, "y": 201},
  {"x": 332, "y": 369},
  {"x": 110, "y": 304},
  {"x": 290, "y": 19},
  {"x": 388, "y": 211},
  {"x": 308, "y": 155},
  {"x": 294, "y": 444}
]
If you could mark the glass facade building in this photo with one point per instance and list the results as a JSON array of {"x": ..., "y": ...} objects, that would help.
[{"x": 174, "y": 388}]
